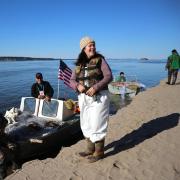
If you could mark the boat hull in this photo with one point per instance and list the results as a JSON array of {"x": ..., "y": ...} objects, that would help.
[
  {"x": 34, "y": 141},
  {"x": 121, "y": 89}
]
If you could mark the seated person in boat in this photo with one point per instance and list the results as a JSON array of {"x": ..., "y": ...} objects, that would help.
[
  {"x": 121, "y": 78},
  {"x": 42, "y": 89}
]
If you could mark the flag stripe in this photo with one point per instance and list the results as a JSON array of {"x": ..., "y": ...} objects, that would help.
[{"x": 64, "y": 73}]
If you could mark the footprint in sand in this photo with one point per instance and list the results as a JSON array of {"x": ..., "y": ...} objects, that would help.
[{"x": 120, "y": 171}]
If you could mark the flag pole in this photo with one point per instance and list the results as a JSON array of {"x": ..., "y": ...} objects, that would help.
[
  {"x": 58, "y": 80},
  {"x": 58, "y": 90},
  {"x": 64, "y": 74}
]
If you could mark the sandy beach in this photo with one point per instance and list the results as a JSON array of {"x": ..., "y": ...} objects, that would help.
[{"x": 142, "y": 144}]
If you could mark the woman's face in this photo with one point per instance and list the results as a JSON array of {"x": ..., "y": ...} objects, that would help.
[{"x": 90, "y": 49}]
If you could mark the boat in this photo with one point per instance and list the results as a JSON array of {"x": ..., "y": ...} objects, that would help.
[
  {"x": 129, "y": 88},
  {"x": 40, "y": 126}
]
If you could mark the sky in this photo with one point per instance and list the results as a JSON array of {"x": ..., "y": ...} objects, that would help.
[{"x": 120, "y": 28}]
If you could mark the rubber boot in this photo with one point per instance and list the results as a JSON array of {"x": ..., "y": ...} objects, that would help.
[
  {"x": 169, "y": 76},
  {"x": 90, "y": 149},
  {"x": 174, "y": 79},
  {"x": 169, "y": 79},
  {"x": 99, "y": 152}
]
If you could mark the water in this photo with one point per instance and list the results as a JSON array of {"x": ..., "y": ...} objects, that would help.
[{"x": 17, "y": 77}]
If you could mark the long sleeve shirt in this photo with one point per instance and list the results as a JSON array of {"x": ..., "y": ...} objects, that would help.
[{"x": 48, "y": 90}]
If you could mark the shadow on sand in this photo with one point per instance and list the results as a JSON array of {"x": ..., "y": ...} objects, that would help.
[{"x": 146, "y": 131}]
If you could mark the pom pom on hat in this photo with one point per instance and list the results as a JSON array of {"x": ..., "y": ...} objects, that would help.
[{"x": 85, "y": 41}]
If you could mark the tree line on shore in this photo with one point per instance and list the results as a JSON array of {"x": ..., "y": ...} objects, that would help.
[{"x": 16, "y": 58}]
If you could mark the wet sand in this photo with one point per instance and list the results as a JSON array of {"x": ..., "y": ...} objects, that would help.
[{"x": 142, "y": 143}]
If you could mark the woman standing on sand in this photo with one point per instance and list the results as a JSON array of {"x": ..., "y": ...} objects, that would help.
[{"x": 90, "y": 79}]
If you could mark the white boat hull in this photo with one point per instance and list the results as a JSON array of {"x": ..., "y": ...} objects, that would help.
[{"x": 128, "y": 88}]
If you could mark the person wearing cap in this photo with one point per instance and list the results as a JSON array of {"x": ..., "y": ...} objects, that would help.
[
  {"x": 173, "y": 65},
  {"x": 90, "y": 79},
  {"x": 42, "y": 89}
]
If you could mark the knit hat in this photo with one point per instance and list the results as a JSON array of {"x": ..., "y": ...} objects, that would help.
[{"x": 85, "y": 41}]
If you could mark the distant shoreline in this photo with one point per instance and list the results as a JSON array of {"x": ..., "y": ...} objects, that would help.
[
  {"x": 11, "y": 58},
  {"x": 4, "y": 59},
  {"x": 20, "y": 58}
]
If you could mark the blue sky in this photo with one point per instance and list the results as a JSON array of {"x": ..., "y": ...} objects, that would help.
[{"x": 121, "y": 28}]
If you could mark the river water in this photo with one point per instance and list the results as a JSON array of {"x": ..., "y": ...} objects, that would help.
[{"x": 17, "y": 77}]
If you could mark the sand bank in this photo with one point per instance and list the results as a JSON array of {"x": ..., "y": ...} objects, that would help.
[{"x": 142, "y": 143}]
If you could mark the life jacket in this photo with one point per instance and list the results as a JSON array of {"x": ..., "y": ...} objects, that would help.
[{"x": 90, "y": 74}]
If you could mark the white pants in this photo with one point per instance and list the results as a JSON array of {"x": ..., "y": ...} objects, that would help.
[{"x": 94, "y": 115}]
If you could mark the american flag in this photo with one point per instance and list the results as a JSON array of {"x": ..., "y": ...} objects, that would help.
[{"x": 64, "y": 73}]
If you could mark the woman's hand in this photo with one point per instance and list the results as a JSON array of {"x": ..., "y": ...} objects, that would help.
[
  {"x": 91, "y": 91},
  {"x": 41, "y": 97},
  {"x": 47, "y": 98},
  {"x": 81, "y": 88}
]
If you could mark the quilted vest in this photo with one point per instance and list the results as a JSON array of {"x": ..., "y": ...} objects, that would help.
[{"x": 90, "y": 74}]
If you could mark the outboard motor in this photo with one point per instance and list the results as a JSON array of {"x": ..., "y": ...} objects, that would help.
[
  {"x": 6, "y": 149},
  {"x": 3, "y": 123}
]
